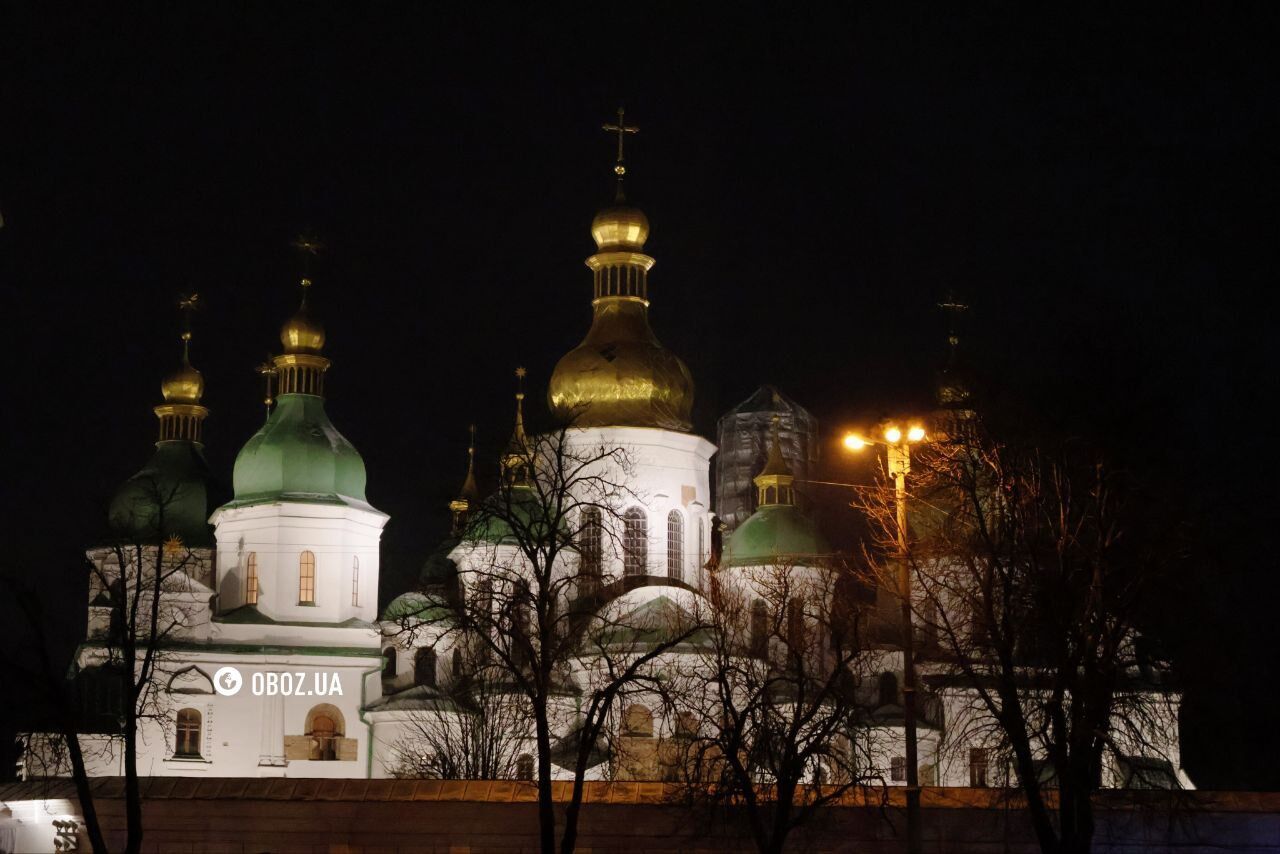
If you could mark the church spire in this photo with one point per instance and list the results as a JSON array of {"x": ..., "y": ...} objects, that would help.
[
  {"x": 775, "y": 481},
  {"x": 516, "y": 460},
  {"x": 470, "y": 493},
  {"x": 952, "y": 389},
  {"x": 181, "y": 415}
]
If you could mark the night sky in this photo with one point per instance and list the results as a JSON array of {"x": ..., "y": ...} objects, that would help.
[{"x": 1100, "y": 186}]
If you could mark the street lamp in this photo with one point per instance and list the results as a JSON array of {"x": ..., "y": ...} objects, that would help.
[{"x": 898, "y": 455}]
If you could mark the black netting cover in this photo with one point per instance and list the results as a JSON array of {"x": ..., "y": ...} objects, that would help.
[{"x": 743, "y": 437}]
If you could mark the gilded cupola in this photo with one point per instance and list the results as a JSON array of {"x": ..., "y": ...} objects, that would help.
[{"x": 621, "y": 375}]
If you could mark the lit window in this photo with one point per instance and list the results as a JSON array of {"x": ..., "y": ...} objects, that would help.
[
  {"x": 355, "y": 581},
  {"x": 251, "y": 579},
  {"x": 675, "y": 545},
  {"x": 189, "y": 732},
  {"x": 635, "y": 542},
  {"x": 307, "y": 578},
  {"x": 325, "y": 732}
]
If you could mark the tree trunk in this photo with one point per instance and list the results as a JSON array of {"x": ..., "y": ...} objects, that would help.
[
  {"x": 546, "y": 808},
  {"x": 132, "y": 794},
  {"x": 570, "y": 838},
  {"x": 81, "y": 777}
]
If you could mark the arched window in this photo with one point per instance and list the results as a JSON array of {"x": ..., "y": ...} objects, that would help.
[
  {"x": 524, "y": 767},
  {"x": 190, "y": 730},
  {"x": 589, "y": 545},
  {"x": 888, "y": 689},
  {"x": 702, "y": 543},
  {"x": 424, "y": 667},
  {"x": 635, "y": 542},
  {"x": 637, "y": 720},
  {"x": 759, "y": 628},
  {"x": 675, "y": 545},
  {"x": 355, "y": 581},
  {"x": 455, "y": 667},
  {"x": 307, "y": 578},
  {"x": 251, "y": 578},
  {"x": 325, "y": 727},
  {"x": 389, "y": 663}
]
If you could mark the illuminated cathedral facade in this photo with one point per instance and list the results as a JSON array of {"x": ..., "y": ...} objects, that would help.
[{"x": 279, "y": 661}]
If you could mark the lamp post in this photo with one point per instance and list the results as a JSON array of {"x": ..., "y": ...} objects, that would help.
[{"x": 897, "y": 447}]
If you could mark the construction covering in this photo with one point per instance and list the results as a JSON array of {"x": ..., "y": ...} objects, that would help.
[{"x": 743, "y": 436}]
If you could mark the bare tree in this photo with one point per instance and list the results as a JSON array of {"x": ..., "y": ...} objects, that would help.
[
  {"x": 475, "y": 728},
  {"x": 537, "y": 599},
  {"x": 1028, "y": 567},
  {"x": 56, "y": 754},
  {"x": 774, "y": 700}
]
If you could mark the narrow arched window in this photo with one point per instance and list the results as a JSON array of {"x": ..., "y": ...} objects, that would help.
[
  {"x": 637, "y": 720},
  {"x": 702, "y": 543},
  {"x": 455, "y": 668},
  {"x": 635, "y": 542},
  {"x": 524, "y": 767},
  {"x": 389, "y": 662},
  {"x": 190, "y": 730},
  {"x": 355, "y": 581},
  {"x": 759, "y": 628},
  {"x": 251, "y": 578},
  {"x": 307, "y": 578},
  {"x": 888, "y": 689},
  {"x": 424, "y": 667},
  {"x": 675, "y": 545},
  {"x": 795, "y": 624},
  {"x": 589, "y": 544}
]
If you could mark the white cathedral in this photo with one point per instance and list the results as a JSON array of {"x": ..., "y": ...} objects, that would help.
[{"x": 282, "y": 664}]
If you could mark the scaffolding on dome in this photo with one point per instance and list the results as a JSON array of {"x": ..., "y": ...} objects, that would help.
[{"x": 743, "y": 436}]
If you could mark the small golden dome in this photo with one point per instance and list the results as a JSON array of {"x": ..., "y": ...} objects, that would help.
[
  {"x": 620, "y": 227},
  {"x": 302, "y": 333},
  {"x": 184, "y": 385}
]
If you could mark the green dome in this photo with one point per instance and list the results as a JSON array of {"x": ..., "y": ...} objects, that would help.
[
  {"x": 489, "y": 523},
  {"x": 170, "y": 496},
  {"x": 776, "y": 533},
  {"x": 299, "y": 455},
  {"x": 416, "y": 606}
]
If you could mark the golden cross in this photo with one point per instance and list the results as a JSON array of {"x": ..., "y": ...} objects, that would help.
[
  {"x": 268, "y": 371},
  {"x": 621, "y": 129},
  {"x": 187, "y": 304}
]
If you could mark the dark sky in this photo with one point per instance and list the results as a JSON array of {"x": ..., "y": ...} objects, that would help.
[{"x": 1099, "y": 185}]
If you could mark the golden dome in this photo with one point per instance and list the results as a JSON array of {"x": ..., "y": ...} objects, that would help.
[
  {"x": 620, "y": 375},
  {"x": 184, "y": 385},
  {"x": 302, "y": 333},
  {"x": 620, "y": 227}
]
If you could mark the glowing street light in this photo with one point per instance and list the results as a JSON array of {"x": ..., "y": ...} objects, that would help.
[{"x": 898, "y": 452}]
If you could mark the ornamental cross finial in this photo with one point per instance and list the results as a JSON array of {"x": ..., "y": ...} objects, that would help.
[
  {"x": 308, "y": 247},
  {"x": 187, "y": 304},
  {"x": 268, "y": 372},
  {"x": 621, "y": 129}
]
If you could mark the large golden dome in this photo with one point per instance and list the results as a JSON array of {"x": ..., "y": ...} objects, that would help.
[{"x": 621, "y": 375}]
